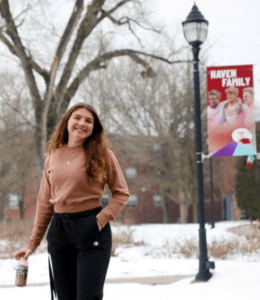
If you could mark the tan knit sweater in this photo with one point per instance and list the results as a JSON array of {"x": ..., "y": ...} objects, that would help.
[{"x": 64, "y": 189}]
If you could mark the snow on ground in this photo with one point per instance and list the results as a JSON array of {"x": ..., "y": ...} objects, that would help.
[{"x": 237, "y": 278}]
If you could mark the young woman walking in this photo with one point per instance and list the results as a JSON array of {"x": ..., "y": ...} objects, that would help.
[{"x": 77, "y": 167}]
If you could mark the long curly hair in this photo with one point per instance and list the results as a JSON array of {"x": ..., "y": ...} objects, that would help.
[{"x": 95, "y": 146}]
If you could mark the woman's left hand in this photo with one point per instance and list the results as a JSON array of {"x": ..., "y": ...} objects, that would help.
[{"x": 99, "y": 226}]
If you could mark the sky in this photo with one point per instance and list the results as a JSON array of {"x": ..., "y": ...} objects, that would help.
[{"x": 233, "y": 32}]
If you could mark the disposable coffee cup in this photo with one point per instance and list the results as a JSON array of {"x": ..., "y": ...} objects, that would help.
[{"x": 21, "y": 272}]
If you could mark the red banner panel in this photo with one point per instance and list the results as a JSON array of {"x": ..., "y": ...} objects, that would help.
[{"x": 230, "y": 108}]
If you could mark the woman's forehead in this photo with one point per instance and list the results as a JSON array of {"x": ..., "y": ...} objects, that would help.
[{"x": 84, "y": 112}]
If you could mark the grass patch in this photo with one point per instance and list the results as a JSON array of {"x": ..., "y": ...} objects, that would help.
[
  {"x": 14, "y": 235},
  {"x": 122, "y": 238},
  {"x": 245, "y": 241}
]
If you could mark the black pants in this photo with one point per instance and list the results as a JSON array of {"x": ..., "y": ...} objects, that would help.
[{"x": 78, "y": 255}]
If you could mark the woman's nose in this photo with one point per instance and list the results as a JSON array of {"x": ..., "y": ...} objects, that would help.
[{"x": 82, "y": 122}]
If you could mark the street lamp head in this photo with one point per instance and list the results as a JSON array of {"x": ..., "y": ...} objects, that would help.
[{"x": 195, "y": 27}]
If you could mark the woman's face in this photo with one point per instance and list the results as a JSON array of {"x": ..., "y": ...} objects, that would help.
[
  {"x": 80, "y": 126},
  {"x": 231, "y": 97},
  {"x": 248, "y": 98}
]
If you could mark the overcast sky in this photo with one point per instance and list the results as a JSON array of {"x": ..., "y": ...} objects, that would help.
[{"x": 234, "y": 29}]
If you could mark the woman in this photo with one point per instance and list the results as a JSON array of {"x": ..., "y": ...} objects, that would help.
[{"x": 77, "y": 167}]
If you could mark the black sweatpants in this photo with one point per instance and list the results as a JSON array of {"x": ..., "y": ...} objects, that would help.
[{"x": 79, "y": 255}]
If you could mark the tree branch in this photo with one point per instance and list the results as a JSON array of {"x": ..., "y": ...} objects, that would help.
[
  {"x": 73, "y": 21},
  {"x": 20, "y": 14},
  {"x": 100, "y": 62},
  {"x": 125, "y": 20},
  {"x": 128, "y": 21},
  {"x": 20, "y": 113},
  {"x": 109, "y": 12},
  {"x": 145, "y": 28},
  {"x": 44, "y": 73},
  {"x": 162, "y": 58},
  {"x": 20, "y": 50},
  {"x": 88, "y": 23}
]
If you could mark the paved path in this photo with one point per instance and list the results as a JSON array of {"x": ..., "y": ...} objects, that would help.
[
  {"x": 141, "y": 280},
  {"x": 150, "y": 280}
]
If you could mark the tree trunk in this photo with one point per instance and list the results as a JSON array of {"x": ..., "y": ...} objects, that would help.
[
  {"x": 53, "y": 118},
  {"x": 195, "y": 212},
  {"x": 184, "y": 212},
  {"x": 39, "y": 155},
  {"x": 165, "y": 209},
  {"x": 5, "y": 206},
  {"x": 21, "y": 202}
]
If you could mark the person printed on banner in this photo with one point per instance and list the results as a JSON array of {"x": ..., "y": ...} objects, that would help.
[
  {"x": 234, "y": 110},
  {"x": 78, "y": 165},
  {"x": 215, "y": 109},
  {"x": 248, "y": 98}
]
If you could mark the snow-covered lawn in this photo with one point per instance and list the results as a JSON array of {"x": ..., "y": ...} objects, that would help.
[{"x": 235, "y": 278}]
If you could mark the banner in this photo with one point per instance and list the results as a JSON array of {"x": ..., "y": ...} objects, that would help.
[{"x": 230, "y": 108}]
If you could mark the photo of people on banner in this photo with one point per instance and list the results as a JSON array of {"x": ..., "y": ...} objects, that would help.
[{"x": 230, "y": 108}]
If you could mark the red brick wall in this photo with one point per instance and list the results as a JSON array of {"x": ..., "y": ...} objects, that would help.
[{"x": 30, "y": 199}]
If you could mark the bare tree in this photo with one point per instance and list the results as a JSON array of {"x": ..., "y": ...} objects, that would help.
[
  {"x": 17, "y": 163},
  {"x": 53, "y": 81},
  {"x": 154, "y": 111}
]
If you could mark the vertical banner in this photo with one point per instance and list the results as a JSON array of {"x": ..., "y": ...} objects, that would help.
[{"x": 230, "y": 108}]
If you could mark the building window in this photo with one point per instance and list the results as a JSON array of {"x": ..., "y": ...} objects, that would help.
[
  {"x": 157, "y": 201},
  {"x": 14, "y": 201},
  {"x": 132, "y": 201},
  {"x": 131, "y": 173},
  {"x": 157, "y": 149},
  {"x": 104, "y": 200}
]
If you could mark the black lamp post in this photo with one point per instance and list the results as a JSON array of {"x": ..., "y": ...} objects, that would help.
[{"x": 195, "y": 30}]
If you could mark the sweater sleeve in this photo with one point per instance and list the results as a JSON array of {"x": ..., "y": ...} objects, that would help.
[
  {"x": 118, "y": 187},
  {"x": 44, "y": 210}
]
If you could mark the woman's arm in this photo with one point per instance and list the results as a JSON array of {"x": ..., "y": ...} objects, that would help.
[{"x": 118, "y": 187}]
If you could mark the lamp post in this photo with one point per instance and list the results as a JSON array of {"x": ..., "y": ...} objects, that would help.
[{"x": 195, "y": 29}]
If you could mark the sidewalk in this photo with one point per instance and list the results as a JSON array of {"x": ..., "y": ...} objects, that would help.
[
  {"x": 141, "y": 280},
  {"x": 150, "y": 280}
]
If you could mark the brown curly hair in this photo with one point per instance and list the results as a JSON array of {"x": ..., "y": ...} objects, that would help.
[{"x": 95, "y": 146}]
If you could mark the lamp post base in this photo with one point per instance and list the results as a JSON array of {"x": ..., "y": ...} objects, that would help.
[
  {"x": 204, "y": 273},
  {"x": 205, "y": 276},
  {"x": 204, "y": 265}
]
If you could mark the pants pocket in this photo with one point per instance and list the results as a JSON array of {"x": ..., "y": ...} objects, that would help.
[
  {"x": 87, "y": 231},
  {"x": 105, "y": 237}
]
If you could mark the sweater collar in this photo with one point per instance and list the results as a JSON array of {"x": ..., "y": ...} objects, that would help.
[{"x": 74, "y": 148}]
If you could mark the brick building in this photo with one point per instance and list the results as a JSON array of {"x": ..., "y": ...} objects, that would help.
[{"x": 145, "y": 205}]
